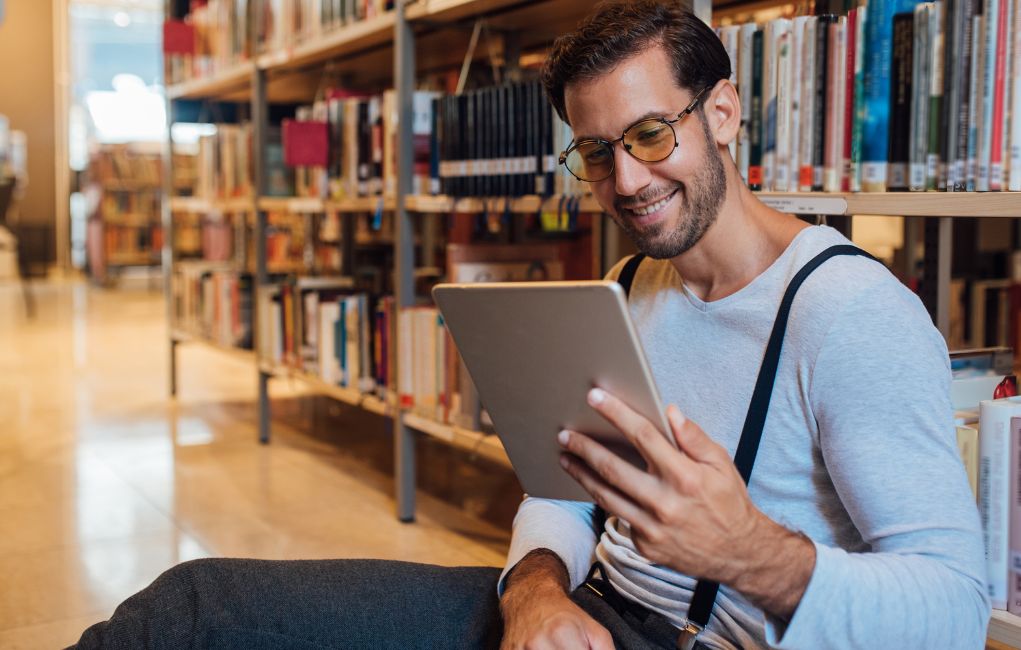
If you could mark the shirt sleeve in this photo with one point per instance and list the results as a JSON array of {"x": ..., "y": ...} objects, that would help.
[
  {"x": 565, "y": 527},
  {"x": 880, "y": 393}
]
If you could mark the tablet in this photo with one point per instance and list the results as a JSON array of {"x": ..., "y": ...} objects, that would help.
[{"x": 534, "y": 350}]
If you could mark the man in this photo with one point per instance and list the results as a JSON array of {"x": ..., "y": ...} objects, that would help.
[{"x": 857, "y": 528}]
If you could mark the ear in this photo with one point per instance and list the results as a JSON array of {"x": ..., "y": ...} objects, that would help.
[{"x": 723, "y": 112}]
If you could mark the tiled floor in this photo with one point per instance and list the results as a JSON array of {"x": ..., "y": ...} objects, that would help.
[{"x": 105, "y": 482}]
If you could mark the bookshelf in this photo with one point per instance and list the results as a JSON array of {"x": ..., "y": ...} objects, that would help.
[{"x": 388, "y": 50}]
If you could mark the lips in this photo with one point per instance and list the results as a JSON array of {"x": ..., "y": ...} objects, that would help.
[{"x": 651, "y": 208}]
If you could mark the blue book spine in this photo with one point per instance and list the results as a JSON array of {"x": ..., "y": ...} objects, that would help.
[
  {"x": 340, "y": 338},
  {"x": 876, "y": 103}
]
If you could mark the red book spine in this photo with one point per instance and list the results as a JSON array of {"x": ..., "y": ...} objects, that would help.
[
  {"x": 852, "y": 43},
  {"x": 999, "y": 87}
]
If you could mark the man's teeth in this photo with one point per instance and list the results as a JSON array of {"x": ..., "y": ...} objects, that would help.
[{"x": 649, "y": 209}]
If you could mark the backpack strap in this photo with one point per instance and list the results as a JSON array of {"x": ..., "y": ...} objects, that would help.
[{"x": 627, "y": 274}]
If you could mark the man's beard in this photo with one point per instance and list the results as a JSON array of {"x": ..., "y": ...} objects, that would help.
[{"x": 700, "y": 205}]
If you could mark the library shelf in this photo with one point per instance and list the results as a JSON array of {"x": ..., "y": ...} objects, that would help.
[
  {"x": 297, "y": 204},
  {"x": 233, "y": 82},
  {"x": 899, "y": 204},
  {"x": 1005, "y": 627},
  {"x": 473, "y": 441},
  {"x": 339, "y": 42},
  {"x": 370, "y": 402},
  {"x": 180, "y": 335},
  {"x": 524, "y": 204},
  {"x": 199, "y": 205},
  {"x": 133, "y": 259}
]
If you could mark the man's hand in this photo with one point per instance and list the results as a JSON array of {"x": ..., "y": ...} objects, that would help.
[
  {"x": 539, "y": 615},
  {"x": 690, "y": 509}
]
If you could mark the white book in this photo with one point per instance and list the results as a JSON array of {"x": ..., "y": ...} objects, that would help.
[
  {"x": 744, "y": 89},
  {"x": 1014, "y": 179},
  {"x": 405, "y": 359},
  {"x": 994, "y": 491},
  {"x": 808, "y": 118},
  {"x": 771, "y": 43},
  {"x": 729, "y": 36},
  {"x": 797, "y": 80},
  {"x": 352, "y": 341},
  {"x": 987, "y": 73},
  {"x": 835, "y": 96},
  {"x": 329, "y": 364},
  {"x": 784, "y": 106}
]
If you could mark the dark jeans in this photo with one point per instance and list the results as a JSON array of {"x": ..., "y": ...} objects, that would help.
[{"x": 256, "y": 604}]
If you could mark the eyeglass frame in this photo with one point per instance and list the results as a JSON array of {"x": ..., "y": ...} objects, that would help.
[{"x": 688, "y": 110}]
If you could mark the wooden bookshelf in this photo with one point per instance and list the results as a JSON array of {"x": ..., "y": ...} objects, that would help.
[
  {"x": 352, "y": 396},
  {"x": 900, "y": 204},
  {"x": 233, "y": 83},
  {"x": 474, "y": 441},
  {"x": 334, "y": 44},
  {"x": 179, "y": 335},
  {"x": 199, "y": 205},
  {"x": 1005, "y": 627}
]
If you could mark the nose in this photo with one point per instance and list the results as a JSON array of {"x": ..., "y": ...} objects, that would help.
[{"x": 630, "y": 174}]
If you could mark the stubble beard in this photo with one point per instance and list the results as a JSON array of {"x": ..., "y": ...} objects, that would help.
[{"x": 700, "y": 206}]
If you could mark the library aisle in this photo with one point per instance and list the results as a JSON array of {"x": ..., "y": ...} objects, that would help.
[{"x": 105, "y": 483}]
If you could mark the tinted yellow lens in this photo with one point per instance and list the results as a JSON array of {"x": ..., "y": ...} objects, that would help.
[
  {"x": 590, "y": 161},
  {"x": 650, "y": 140}
]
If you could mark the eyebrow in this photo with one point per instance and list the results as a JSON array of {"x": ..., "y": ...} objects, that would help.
[{"x": 648, "y": 115}]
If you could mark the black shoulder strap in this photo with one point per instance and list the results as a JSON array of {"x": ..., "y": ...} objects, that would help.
[
  {"x": 704, "y": 598},
  {"x": 627, "y": 274}
]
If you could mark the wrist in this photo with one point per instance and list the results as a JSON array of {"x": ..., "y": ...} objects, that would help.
[
  {"x": 541, "y": 573},
  {"x": 779, "y": 564}
]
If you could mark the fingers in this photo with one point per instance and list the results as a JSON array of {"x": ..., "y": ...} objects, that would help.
[
  {"x": 692, "y": 440},
  {"x": 609, "y": 467},
  {"x": 605, "y": 495},
  {"x": 643, "y": 434}
]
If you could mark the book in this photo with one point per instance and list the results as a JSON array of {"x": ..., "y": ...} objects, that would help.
[
  {"x": 921, "y": 76},
  {"x": 934, "y": 169},
  {"x": 810, "y": 115},
  {"x": 756, "y": 128},
  {"x": 901, "y": 93},
  {"x": 967, "y": 446},
  {"x": 1014, "y": 175},
  {"x": 994, "y": 491},
  {"x": 876, "y": 89},
  {"x": 745, "y": 61},
  {"x": 1014, "y": 518}
]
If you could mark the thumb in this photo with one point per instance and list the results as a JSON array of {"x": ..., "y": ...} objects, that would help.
[{"x": 690, "y": 438}]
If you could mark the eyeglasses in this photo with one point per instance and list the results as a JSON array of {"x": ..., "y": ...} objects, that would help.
[{"x": 650, "y": 140}]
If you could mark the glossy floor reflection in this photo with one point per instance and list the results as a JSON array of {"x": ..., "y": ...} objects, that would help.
[{"x": 105, "y": 482}]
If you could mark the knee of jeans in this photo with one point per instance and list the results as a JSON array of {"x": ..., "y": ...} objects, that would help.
[{"x": 192, "y": 572}]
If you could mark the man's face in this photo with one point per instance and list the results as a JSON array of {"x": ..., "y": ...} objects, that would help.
[{"x": 665, "y": 207}]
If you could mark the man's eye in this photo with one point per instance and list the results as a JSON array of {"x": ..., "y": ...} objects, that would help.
[
  {"x": 596, "y": 155},
  {"x": 651, "y": 132}
]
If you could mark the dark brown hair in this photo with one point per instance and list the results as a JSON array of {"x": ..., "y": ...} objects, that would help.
[{"x": 617, "y": 31}]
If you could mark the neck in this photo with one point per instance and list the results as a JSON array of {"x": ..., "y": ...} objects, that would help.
[{"x": 745, "y": 239}]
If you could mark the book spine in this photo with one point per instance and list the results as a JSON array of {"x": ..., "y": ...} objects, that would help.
[
  {"x": 994, "y": 492},
  {"x": 797, "y": 78},
  {"x": 1014, "y": 517},
  {"x": 976, "y": 90},
  {"x": 900, "y": 103},
  {"x": 809, "y": 114},
  {"x": 936, "y": 38},
  {"x": 784, "y": 106},
  {"x": 847, "y": 124},
  {"x": 822, "y": 116},
  {"x": 770, "y": 61},
  {"x": 963, "y": 84},
  {"x": 919, "y": 98},
  {"x": 745, "y": 61},
  {"x": 834, "y": 92},
  {"x": 1014, "y": 178},
  {"x": 875, "y": 128},
  {"x": 1000, "y": 82},
  {"x": 755, "y": 181}
]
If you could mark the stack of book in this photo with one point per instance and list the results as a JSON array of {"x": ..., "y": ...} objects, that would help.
[
  {"x": 495, "y": 141},
  {"x": 214, "y": 302},
  {"x": 887, "y": 97},
  {"x": 219, "y": 31}
]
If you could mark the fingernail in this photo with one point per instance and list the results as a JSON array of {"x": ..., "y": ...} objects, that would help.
[
  {"x": 596, "y": 396},
  {"x": 564, "y": 462},
  {"x": 677, "y": 417},
  {"x": 563, "y": 437}
]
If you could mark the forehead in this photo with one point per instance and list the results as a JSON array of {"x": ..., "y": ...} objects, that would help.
[{"x": 639, "y": 85}]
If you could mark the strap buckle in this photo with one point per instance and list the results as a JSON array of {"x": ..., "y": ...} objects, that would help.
[{"x": 688, "y": 637}]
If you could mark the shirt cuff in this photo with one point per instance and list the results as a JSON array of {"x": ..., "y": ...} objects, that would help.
[{"x": 809, "y": 622}]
